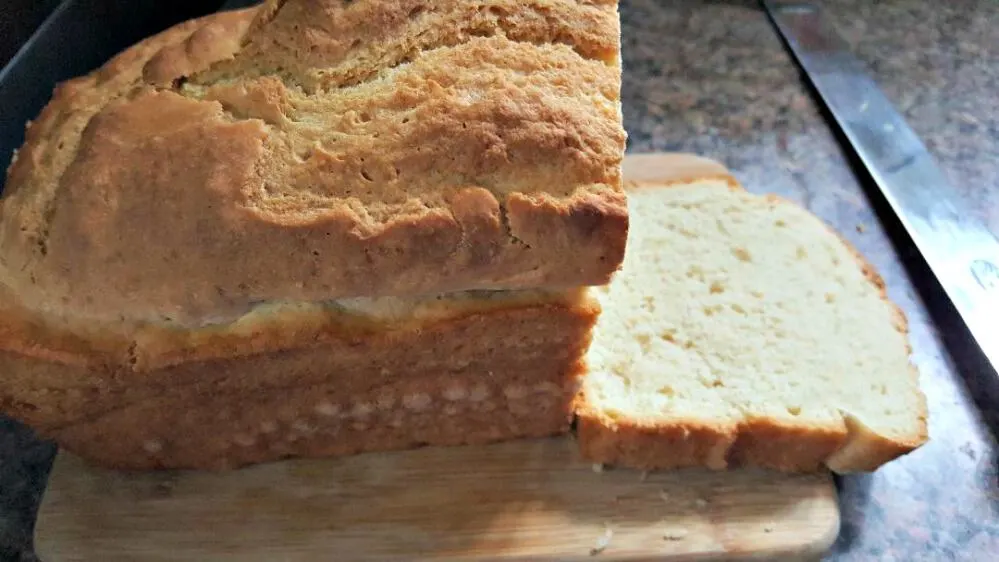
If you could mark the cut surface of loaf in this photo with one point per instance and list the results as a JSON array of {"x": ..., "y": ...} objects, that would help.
[
  {"x": 311, "y": 150},
  {"x": 743, "y": 331},
  {"x": 294, "y": 380}
]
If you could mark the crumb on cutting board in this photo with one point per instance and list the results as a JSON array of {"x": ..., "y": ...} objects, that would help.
[
  {"x": 677, "y": 534},
  {"x": 603, "y": 541}
]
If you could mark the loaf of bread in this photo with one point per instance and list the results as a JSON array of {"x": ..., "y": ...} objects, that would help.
[
  {"x": 743, "y": 331},
  {"x": 309, "y": 150},
  {"x": 302, "y": 380}
]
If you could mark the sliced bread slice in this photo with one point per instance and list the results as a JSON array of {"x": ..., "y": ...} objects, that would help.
[{"x": 744, "y": 331}]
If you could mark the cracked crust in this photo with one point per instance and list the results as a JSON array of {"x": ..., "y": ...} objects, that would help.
[{"x": 320, "y": 150}]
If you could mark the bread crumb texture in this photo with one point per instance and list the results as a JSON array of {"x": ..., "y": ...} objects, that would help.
[
  {"x": 767, "y": 342},
  {"x": 321, "y": 149}
]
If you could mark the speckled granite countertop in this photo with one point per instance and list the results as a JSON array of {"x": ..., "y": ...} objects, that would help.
[{"x": 711, "y": 77}]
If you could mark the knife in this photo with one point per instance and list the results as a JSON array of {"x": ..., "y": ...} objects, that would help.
[{"x": 962, "y": 253}]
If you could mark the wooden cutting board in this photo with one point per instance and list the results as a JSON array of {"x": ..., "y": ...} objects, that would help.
[{"x": 530, "y": 500}]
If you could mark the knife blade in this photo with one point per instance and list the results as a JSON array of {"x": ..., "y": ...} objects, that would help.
[{"x": 962, "y": 253}]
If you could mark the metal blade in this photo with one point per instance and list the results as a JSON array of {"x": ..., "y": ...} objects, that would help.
[{"x": 963, "y": 254}]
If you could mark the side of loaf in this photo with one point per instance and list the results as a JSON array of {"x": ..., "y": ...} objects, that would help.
[
  {"x": 742, "y": 331},
  {"x": 312, "y": 150},
  {"x": 303, "y": 380}
]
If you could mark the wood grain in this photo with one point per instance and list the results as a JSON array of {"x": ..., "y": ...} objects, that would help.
[{"x": 531, "y": 500}]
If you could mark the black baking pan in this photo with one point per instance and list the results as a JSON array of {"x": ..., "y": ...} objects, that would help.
[{"x": 75, "y": 37}]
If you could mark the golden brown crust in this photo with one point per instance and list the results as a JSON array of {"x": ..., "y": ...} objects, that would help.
[
  {"x": 786, "y": 446},
  {"x": 315, "y": 150},
  {"x": 673, "y": 168},
  {"x": 865, "y": 451},
  {"x": 487, "y": 371},
  {"x": 647, "y": 446},
  {"x": 762, "y": 443}
]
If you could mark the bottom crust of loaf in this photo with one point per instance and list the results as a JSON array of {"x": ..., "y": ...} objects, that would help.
[
  {"x": 762, "y": 444},
  {"x": 481, "y": 372}
]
